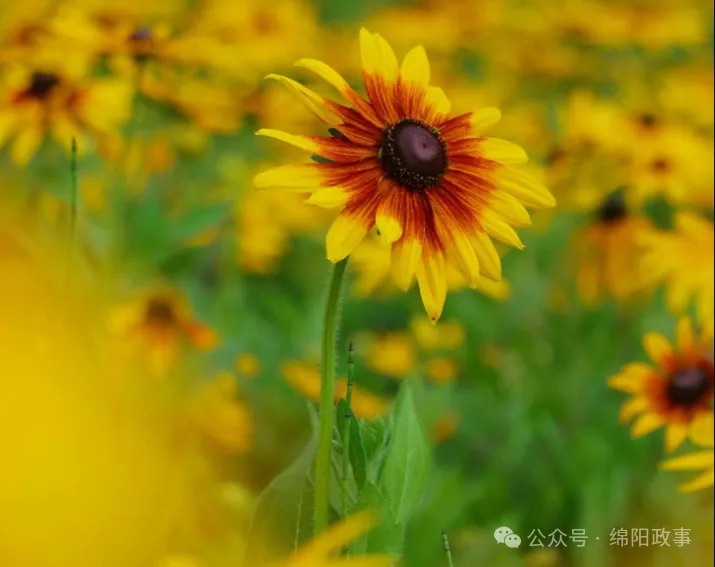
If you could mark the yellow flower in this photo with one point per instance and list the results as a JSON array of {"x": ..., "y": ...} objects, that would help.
[
  {"x": 41, "y": 102},
  {"x": 445, "y": 335},
  {"x": 441, "y": 369},
  {"x": 248, "y": 365},
  {"x": 220, "y": 416},
  {"x": 444, "y": 428},
  {"x": 372, "y": 263},
  {"x": 96, "y": 477},
  {"x": 607, "y": 250},
  {"x": 682, "y": 261},
  {"x": 677, "y": 392},
  {"x": 305, "y": 379},
  {"x": 391, "y": 354},
  {"x": 399, "y": 161},
  {"x": 156, "y": 324},
  {"x": 700, "y": 460},
  {"x": 322, "y": 550}
]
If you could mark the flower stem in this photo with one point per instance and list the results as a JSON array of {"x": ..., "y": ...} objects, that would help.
[
  {"x": 346, "y": 431},
  {"x": 327, "y": 394},
  {"x": 447, "y": 549}
]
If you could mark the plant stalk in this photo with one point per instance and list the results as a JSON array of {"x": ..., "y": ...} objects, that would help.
[{"x": 327, "y": 394}]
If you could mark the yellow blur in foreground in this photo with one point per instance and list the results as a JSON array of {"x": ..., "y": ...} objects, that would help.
[{"x": 92, "y": 473}]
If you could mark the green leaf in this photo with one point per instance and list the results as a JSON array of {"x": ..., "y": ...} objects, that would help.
[
  {"x": 407, "y": 465},
  {"x": 388, "y": 536},
  {"x": 358, "y": 459},
  {"x": 282, "y": 519},
  {"x": 198, "y": 220}
]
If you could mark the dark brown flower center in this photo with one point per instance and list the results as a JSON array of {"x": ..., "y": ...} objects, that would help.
[
  {"x": 660, "y": 165},
  {"x": 612, "y": 210},
  {"x": 413, "y": 154},
  {"x": 648, "y": 120},
  {"x": 159, "y": 312},
  {"x": 41, "y": 85},
  {"x": 141, "y": 34},
  {"x": 689, "y": 386}
]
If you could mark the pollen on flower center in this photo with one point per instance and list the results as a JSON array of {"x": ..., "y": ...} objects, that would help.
[
  {"x": 612, "y": 210},
  {"x": 413, "y": 154},
  {"x": 42, "y": 84},
  {"x": 689, "y": 385}
]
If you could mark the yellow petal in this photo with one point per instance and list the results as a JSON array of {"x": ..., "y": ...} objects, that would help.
[
  {"x": 325, "y": 72},
  {"x": 336, "y": 537},
  {"x": 26, "y": 144},
  {"x": 390, "y": 68},
  {"x": 405, "y": 258},
  {"x": 369, "y": 56},
  {"x": 302, "y": 142},
  {"x": 646, "y": 423},
  {"x": 389, "y": 227},
  {"x": 689, "y": 462},
  {"x": 701, "y": 429},
  {"x": 437, "y": 99},
  {"x": 657, "y": 347},
  {"x": 524, "y": 188},
  {"x": 488, "y": 256},
  {"x": 328, "y": 197},
  {"x": 705, "y": 480},
  {"x": 502, "y": 151},
  {"x": 485, "y": 118},
  {"x": 511, "y": 210},
  {"x": 298, "y": 178},
  {"x": 432, "y": 279},
  {"x": 631, "y": 408},
  {"x": 685, "y": 335},
  {"x": 461, "y": 254},
  {"x": 415, "y": 67},
  {"x": 675, "y": 434},
  {"x": 500, "y": 230},
  {"x": 625, "y": 382},
  {"x": 344, "y": 235},
  {"x": 498, "y": 290},
  {"x": 312, "y": 101}
]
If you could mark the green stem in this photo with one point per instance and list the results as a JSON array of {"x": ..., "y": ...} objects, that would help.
[
  {"x": 327, "y": 394},
  {"x": 447, "y": 549},
  {"x": 346, "y": 431}
]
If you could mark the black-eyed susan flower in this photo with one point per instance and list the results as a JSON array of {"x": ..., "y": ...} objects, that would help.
[
  {"x": 392, "y": 354},
  {"x": 682, "y": 261},
  {"x": 607, "y": 251},
  {"x": 436, "y": 189},
  {"x": 35, "y": 103},
  {"x": 676, "y": 393},
  {"x": 156, "y": 325},
  {"x": 702, "y": 460}
]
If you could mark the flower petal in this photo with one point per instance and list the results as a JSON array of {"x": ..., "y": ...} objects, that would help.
[
  {"x": 658, "y": 348},
  {"x": 689, "y": 462},
  {"x": 701, "y": 429},
  {"x": 415, "y": 67},
  {"x": 26, "y": 144},
  {"x": 344, "y": 235},
  {"x": 500, "y": 230},
  {"x": 524, "y": 188},
  {"x": 328, "y": 197},
  {"x": 298, "y": 178},
  {"x": 312, "y": 101},
  {"x": 405, "y": 258},
  {"x": 432, "y": 278},
  {"x": 625, "y": 382},
  {"x": 485, "y": 118},
  {"x": 489, "y": 258},
  {"x": 646, "y": 423},
  {"x": 685, "y": 337},
  {"x": 302, "y": 142},
  {"x": 632, "y": 408},
  {"x": 705, "y": 480},
  {"x": 502, "y": 151},
  {"x": 675, "y": 434},
  {"x": 511, "y": 210},
  {"x": 437, "y": 106}
]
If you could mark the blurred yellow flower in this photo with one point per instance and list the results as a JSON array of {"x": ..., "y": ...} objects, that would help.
[
  {"x": 40, "y": 102},
  {"x": 218, "y": 414},
  {"x": 247, "y": 365},
  {"x": 677, "y": 392},
  {"x": 607, "y": 250},
  {"x": 445, "y": 335},
  {"x": 155, "y": 325},
  {"x": 682, "y": 261},
  {"x": 304, "y": 377},
  {"x": 391, "y": 354},
  {"x": 96, "y": 477},
  {"x": 441, "y": 369},
  {"x": 444, "y": 428}
]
